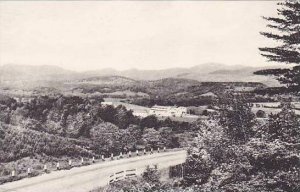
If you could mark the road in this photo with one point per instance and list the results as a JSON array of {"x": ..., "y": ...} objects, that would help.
[{"x": 83, "y": 179}]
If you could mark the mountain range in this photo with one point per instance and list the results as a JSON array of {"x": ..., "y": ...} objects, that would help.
[{"x": 212, "y": 72}]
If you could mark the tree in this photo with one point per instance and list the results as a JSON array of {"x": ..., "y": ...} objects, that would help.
[
  {"x": 151, "y": 175},
  {"x": 149, "y": 122},
  {"x": 130, "y": 137},
  {"x": 288, "y": 33},
  {"x": 123, "y": 117},
  {"x": 152, "y": 138},
  {"x": 108, "y": 113},
  {"x": 236, "y": 117},
  {"x": 168, "y": 139},
  {"x": 284, "y": 125},
  {"x": 106, "y": 138},
  {"x": 197, "y": 170},
  {"x": 260, "y": 114}
]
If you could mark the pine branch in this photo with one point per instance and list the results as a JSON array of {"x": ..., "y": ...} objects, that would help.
[
  {"x": 275, "y": 20},
  {"x": 272, "y": 36},
  {"x": 290, "y": 16},
  {"x": 293, "y": 38},
  {"x": 292, "y": 4},
  {"x": 280, "y": 54}
]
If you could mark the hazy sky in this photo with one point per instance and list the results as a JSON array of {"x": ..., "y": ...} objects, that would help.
[{"x": 131, "y": 34}]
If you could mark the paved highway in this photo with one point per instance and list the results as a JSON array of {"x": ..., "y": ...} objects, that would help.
[{"x": 83, "y": 179}]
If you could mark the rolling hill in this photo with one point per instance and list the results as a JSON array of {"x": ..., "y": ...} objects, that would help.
[
  {"x": 208, "y": 72},
  {"x": 27, "y": 75}
]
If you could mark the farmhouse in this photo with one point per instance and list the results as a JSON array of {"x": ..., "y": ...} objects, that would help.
[
  {"x": 176, "y": 113},
  {"x": 168, "y": 111}
]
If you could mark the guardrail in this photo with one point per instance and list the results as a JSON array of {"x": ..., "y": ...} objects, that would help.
[
  {"x": 122, "y": 175},
  {"x": 63, "y": 165}
]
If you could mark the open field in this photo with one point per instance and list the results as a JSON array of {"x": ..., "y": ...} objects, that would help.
[{"x": 273, "y": 107}]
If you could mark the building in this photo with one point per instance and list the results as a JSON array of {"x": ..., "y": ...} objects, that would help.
[
  {"x": 209, "y": 95},
  {"x": 168, "y": 111},
  {"x": 105, "y": 103},
  {"x": 159, "y": 111}
]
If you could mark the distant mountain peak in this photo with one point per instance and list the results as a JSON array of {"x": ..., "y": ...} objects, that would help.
[{"x": 213, "y": 72}]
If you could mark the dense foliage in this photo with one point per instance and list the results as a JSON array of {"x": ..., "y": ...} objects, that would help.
[
  {"x": 73, "y": 126},
  {"x": 266, "y": 161},
  {"x": 236, "y": 118},
  {"x": 234, "y": 152}
]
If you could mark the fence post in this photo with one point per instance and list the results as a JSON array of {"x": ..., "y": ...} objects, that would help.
[
  {"x": 137, "y": 152},
  {"x": 164, "y": 149},
  {"x": 82, "y": 160},
  {"x": 135, "y": 171},
  {"x": 151, "y": 151},
  {"x": 102, "y": 157},
  {"x": 144, "y": 151},
  {"x": 28, "y": 171},
  {"x": 93, "y": 159},
  {"x": 70, "y": 163},
  {"x": 57, "y": 166},
  {"x": 112, "y": 156},
  {"x": 45, "y": 168},
  {"x": 13, "y": 173}
]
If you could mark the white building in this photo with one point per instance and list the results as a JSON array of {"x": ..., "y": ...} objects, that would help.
[
  {"x": 168, "y": 111},
  {"x": 105, "y": 103},
  {"x": 159, "y": 111}
]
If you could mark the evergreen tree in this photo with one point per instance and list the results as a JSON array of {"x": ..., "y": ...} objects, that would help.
[{"x": 287, "y": 25}]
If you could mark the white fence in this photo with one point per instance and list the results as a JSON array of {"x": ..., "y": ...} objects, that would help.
[
  {"x": 122, "y": 175},
  {"x": 48, "y": 167}
]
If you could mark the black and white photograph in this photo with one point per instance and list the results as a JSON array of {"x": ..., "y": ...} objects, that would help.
[{"x": 149, "y": 96}]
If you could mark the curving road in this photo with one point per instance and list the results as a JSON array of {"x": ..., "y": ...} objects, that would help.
[{"x": 83, "y": 179}]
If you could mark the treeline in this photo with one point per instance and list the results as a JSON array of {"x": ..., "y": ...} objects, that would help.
[
  {"x": 278, "y": 91},
  {"x": 173, "y": 100},
  {"x": 169, "y": 91}
]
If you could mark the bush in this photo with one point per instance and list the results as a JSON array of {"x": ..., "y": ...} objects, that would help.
[
  {"x": 151, "y": 175},
  {"x": 260, "y": 114}
]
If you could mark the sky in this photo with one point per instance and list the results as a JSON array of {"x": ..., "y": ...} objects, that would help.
[{"x": 91, "y": 35}]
